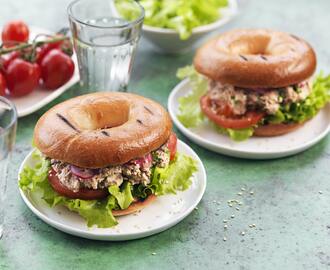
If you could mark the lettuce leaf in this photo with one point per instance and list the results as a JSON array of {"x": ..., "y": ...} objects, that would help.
[
  {"x": 176, "y": 177},
  {"x": 308, "y": 108},
  {"x": 99, "y": 212},
  {"x": 190, "y": 114},
  {"x": 123, "y": 194},
  {"x": 182, "y": 15}
]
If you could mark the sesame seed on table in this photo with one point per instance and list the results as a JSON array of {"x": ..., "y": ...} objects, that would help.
[{"x": 277, "y": 214}]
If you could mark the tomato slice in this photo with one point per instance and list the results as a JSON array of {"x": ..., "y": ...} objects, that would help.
[
  {"x": 83, "y": 194},
  {"x": 247, "y": 120},
  {"x": 171, "y": 144}
]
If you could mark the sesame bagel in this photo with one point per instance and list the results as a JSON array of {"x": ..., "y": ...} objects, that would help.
[
  {"x": 256, "y": 58},
  {"x": 271, "y": 130},
  {"x": 101, "y": 129}
]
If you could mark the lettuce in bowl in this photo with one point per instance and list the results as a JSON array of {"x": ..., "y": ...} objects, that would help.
[{"x": 182, "y": 15}]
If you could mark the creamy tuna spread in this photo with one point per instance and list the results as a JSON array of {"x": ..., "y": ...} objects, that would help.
[
  {"x": 240, "y": 100},
  {"x": 136, "y": 171}
]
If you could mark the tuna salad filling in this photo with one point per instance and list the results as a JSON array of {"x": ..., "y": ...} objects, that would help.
[
  {"x": 137, "y": 171},
  {"x": 239, "y": 100}
]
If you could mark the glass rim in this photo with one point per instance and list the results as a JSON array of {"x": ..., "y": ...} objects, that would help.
[
  {"x": 125, "y": 25},
  {"x": 14, "y": 118}
]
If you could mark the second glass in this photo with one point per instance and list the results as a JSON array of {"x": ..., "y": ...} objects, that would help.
[
  {"x": 8, "y": 121},
  {"x": 105, "y": 36}
]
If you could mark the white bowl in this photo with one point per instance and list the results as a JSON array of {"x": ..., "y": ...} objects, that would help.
[{"x": 168, "y": 40}]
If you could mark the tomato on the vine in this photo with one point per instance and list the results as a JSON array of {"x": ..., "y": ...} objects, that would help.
[
  {"x": 22, "y": 77},
  {"x": 63, "y": 45},
  {"x": 15, "y": 31},
  {"x": 3, "y": 85},
  {"x": 56, "y": 69}
]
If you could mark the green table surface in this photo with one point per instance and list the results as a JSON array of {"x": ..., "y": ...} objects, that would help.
[{"x": 291, "y": 202}]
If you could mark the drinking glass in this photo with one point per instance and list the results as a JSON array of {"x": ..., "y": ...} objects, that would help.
[
  {"x": 8, "y": 122},
  {"x": 105, "y": 36}
]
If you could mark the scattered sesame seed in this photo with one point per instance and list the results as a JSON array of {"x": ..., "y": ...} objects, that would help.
[
  {"x": 239, "y": 193},
  {"x": 225, "y": 221},
  {"x": 240, "y": 203},
  {"x": 232, "y": 216},
  {"x": 251, "y": 192},
  {"x": 243, "y": 189},
  {"x": 154, "y": 253},
  {"x": 251, "y": 226},
  {"x": 320, "y": 192},
  {"x": 230, "y": 205},
  {"x": 225, "y": 226},
  {"x": 237, "y": 208},
  {"x": 214, "y": 201},
  {"x": 242, "y": 233},
  {"x": 224, "y": 239}
]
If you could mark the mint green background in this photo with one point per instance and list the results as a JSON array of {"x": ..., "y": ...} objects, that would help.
[{"x": 292, "y": 218}]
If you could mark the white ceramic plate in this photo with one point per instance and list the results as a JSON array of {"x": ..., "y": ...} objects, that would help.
[
  {"x": 254, "y": 148},
  {"x": 162, "y": 214},
  {"x": 40, "y": 97}
]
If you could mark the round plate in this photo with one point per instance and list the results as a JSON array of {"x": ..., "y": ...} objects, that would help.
[
  {"x": 255, "y": 147},
  {"x": 163, "y": 213},
  {"x": 32, "y": 102}
]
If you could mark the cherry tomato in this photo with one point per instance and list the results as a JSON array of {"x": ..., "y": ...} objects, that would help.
[
  {"x": 171, "y": 144},
  {"x": 84, "y": 194},
  {"x": 56, "y": 69},
  {"x": 247, "y": 120},
  {"x": 63, "y": 45},
  {"x": 9, "y": 58},
  {"x": 15, "y": 31},
  {"x": 22, "y": 77},
  {"x": 3, "y": 85}
]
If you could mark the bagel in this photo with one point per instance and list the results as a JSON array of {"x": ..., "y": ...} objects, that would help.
[
  {"x": 256, "y": 58},
  {"x": 253, "y": 74},
  {"x": 101, "y": 129},
  {"x": 271, "y": 130}
]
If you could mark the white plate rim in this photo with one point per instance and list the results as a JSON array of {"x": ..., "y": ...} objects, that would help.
[
  {"x": 230, "y": 151},
  {"x": 53, "y": 93},
  {"x": 117, "y": 236}
]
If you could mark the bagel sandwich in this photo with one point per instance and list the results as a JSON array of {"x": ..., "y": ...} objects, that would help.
[
  {"x": 254, "y": 82},
  {"x": 104, "y": 155}
]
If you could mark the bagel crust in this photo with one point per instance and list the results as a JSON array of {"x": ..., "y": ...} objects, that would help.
[
  {"x": 101, "y": 129},
  {"x": 271, "y": 130},
  {"x": 256, "y": 58}
]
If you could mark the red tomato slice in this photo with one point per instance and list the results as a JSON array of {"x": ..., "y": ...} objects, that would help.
[
  {"x": 247, "y": 120},
  {"x": 171, "y": 144},
  {"x": 83, "y": 194}
]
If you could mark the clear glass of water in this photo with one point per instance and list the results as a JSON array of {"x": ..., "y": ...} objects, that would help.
[
  {"x": 8, "y": 122},
  {"x": 105, "y": 35}
]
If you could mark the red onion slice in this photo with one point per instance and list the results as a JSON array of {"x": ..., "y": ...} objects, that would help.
[
  {"x": 83, "y": 173},
  {"x": 145, "y": 161}
]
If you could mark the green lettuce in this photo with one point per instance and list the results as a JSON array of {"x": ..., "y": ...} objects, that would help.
[
  {"x": 182, "y": 15},
  {"x": 176, "y": 177},
  {"x": 99, "y": 212},
  {"x": 306, "y": 109},
  {"x": 190, "y": 114}
]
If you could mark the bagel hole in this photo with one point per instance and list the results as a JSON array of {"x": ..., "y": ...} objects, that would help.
[
  {"x": 100, "y": 115},
  {"x": 250, "y": 45}
]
